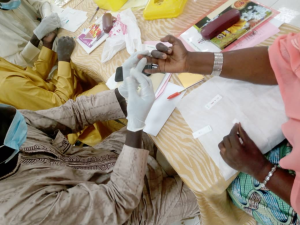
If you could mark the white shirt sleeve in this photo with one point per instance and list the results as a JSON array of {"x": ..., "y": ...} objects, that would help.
[
  {"x": 26, "y": 57},
  {"x": 43, "y": 7},
  {"x": 46, "y": 10}
]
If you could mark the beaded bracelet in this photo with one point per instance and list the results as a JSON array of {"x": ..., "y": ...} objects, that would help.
[{"x": 268, "y": 177}]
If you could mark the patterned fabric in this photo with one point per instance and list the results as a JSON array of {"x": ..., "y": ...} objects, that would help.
[
  {"x": 266, "y": 207},
  {"x": 55, "y": 182}
]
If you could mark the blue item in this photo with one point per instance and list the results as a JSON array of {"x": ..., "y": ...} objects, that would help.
[
  {"x": 12, "y": 4},
  {"x": 16, "y": 134}
]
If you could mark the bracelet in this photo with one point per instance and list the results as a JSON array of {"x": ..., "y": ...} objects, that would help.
[
  {"x": 218, "y": 64},
  {"x": 268, "y": 177}
]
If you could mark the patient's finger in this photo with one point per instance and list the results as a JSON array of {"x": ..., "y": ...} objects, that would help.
[
  {"x": 159, "y": 55},
  {"x": 171, "y": 39},
  {"x": 163, "y": 48},
  {"x": 150, "y": 60},
  {"x": 151, "y": 71}
]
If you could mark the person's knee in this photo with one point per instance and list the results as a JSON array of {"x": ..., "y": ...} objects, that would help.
[{"x": 165, "y": 165}]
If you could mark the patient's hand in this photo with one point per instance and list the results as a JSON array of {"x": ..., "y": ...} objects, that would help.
[
  {"x": 49, "y": 39},
  {"x": 169, "y": 60},
  {"x": 65, "y": 48},
  {"x": 241, "y": 153}
]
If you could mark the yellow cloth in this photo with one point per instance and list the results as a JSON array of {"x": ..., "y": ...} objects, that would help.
[{"x": 29, "y": 89}]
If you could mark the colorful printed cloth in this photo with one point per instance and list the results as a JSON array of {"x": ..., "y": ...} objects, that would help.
[{"x": 266, "y": 207}]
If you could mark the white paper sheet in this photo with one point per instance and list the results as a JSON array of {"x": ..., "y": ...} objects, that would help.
[
  {"x": 72, "y": 19},
  {"x": 111, "y": 83},
  {"x": 259, "y": 108},
  {"x": 162, "y": 109},
  {"x": 276, "y": 22},
  {"x": 194, "y": 39}
]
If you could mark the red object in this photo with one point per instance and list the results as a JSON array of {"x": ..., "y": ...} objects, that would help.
[
  {"x": 107, "y": 21},
  {"x": 178, "y": 93},
  {"x": 174, "y": 95},
  {"x": 220, "y": 24}
]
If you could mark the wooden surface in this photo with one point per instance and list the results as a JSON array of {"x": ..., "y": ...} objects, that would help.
[
  {"x": 175, "y": 140},
  {"x": 150, "y": 30}
]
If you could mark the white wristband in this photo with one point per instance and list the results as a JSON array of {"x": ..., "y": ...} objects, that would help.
[{"x": 218, "y": 64}]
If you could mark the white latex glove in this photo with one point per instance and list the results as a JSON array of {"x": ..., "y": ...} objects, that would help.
[
  {"x": 48, "y": 24},
  {"x": 130, "y": 63},
  {"x": 139, "y": 102}
]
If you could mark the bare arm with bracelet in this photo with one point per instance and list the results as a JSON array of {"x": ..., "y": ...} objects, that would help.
[
  {"x": 254, "y": 62},
  {"x": 251, "y": 65}
]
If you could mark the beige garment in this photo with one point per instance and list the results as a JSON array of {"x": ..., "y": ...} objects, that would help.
[
  {"x": 57, "y": 183},
  {"x": 17, "y": 29}
]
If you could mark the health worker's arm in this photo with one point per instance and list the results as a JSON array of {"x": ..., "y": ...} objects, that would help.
[{"x": 251, "y": 64}]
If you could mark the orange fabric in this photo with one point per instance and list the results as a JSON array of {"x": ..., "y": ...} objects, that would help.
[{"x": 285, "y": 61}]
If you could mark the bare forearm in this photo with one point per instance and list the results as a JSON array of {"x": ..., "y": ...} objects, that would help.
[
  {"x": 281, "y": 182},
  {"x": 134, "y": 139},
  {"x": 122, "y": 101},
  {"x": 251, "y": 64},
  {"x": 34, "y": 40},
  {"x": 48, "y": 45}
]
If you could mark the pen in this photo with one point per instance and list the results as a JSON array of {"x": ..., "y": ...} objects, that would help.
[
  {"x": 178, "y": 93},
  {"x": 94, "y": 14}
]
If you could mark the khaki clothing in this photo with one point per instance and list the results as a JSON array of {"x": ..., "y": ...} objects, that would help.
[
  {"x": 57, "y": 183},
  {"x": 17, "y": 29}
]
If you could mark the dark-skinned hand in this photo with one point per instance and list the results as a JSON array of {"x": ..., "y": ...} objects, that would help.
[
  {"x": 169, "y": 60},
  {"x": 65, "y": 48},
  {"x": 245, "y": 156},
  {"x": 49, "y": 39}
]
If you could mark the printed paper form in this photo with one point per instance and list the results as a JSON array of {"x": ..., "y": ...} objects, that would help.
[{"x": 71, "y": 19}]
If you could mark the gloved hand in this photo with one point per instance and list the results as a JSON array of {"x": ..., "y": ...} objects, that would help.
[
  {"x": 48, "y": 24},
  {"x": 65, "y": 48},
  {"x": 139, "y": 103},
  {"x": 126, "y": 67}
]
